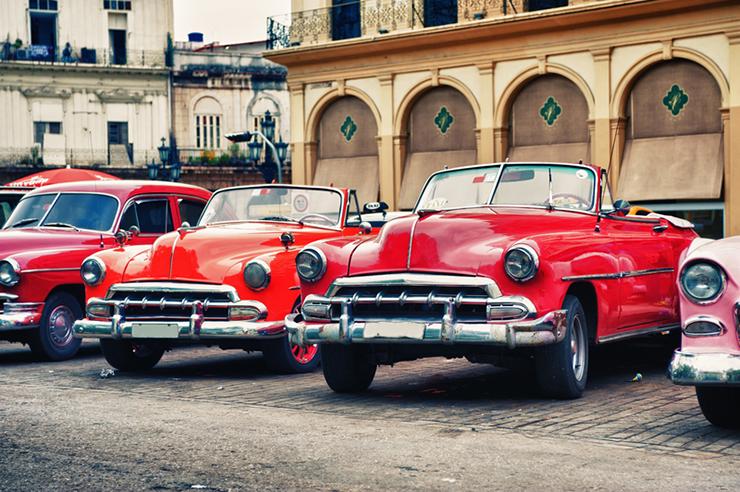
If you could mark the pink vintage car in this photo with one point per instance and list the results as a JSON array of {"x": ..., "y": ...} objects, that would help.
[{"x": 709, "y": 357}]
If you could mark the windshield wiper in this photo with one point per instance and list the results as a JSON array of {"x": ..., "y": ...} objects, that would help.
[
  {"x": 27, "y": 220},
  {"x": 61, "y": 224},
  {"x": 280, "y": 218}
]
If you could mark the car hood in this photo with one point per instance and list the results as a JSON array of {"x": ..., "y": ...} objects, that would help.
[
  {"x": 212, "y": 253},
  {"x": 458, "y": 241},
  {"x": 31, "y": 248}
]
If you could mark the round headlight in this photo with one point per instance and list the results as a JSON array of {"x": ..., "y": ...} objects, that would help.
[
  {"x": 702, "y": 282},
  {"x": 257, "y": 275},
  {"x": 311, "y": 264},
  {"x": 521, "y": 263},
  {"x": 92, "y": 271},
  {"x": 9, "y": 273}
]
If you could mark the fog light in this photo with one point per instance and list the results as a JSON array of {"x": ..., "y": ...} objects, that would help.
[
  {"x": 505, "y": 312},
  {"x": 243, "y": 313},
  {"x": 316, "y": 310},
  {"x": 98, "y": 311},
  {"x": 703, "y": 328}
]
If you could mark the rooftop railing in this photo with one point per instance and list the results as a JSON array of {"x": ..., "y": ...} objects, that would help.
[
  {"x": 368, "y": 18},
  {"x": 83, "y": 56}
]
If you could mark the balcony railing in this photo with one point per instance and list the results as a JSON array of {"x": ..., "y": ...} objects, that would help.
[
  {"x": 83, "y": 56},
  {"x": 365, "y": 18}
]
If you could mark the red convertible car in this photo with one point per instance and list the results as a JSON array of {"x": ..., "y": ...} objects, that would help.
[
  {"x": 50, "y": 233},
  {"x": 229, "y": 282},
  {"x": 500, "y": 260}
]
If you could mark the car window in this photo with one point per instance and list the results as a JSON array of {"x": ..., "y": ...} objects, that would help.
[
  {"x": 30, "y": 211},
  {"x": 190, "y": 210},
  {"x": 151, "y": 216},
  {"x": 458, "y": 188},
  {"x": 73, "y": 209},
  {"x": 545, "y": 185},
  {"x": 7, "y": 204},
  {"x": 354, "y": 217}
]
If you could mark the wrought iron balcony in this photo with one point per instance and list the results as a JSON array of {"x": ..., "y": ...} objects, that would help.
[{"x": 366, "y": 18}]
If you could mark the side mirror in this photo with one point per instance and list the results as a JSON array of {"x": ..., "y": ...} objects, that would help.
[
  {"x": 121, "y": 237},
  {"x": 365, "y": 228},
  {"x": 134, "y": 231},
  {"x": 622, "y": 206},
  {"x": 375, "y": 207},
  {"x": 185, "y": 225}
]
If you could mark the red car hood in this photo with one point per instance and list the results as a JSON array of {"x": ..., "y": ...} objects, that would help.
[
  {"x": 209, "y": 254},
  {"x": 456, "y": 241},
  {"x": 32, "y": 247}
]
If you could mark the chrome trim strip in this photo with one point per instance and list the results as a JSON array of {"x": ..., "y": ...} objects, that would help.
[
  {"x": 7, "y": 297},
  {"x": 415, "y": 279},
  {"x": 613, "y": 276},
  {"x": 39, "y": 270},
  {"x": 411, "y": 241},
  {"x": 637, "y": 333},
  {"x": 175, "y": 287},
  {"x": 188, "y": 330}
]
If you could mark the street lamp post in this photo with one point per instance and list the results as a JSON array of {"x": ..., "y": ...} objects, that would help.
[
  {"x": 254, "y": 146},
  {"x": 167, "y": 170}
]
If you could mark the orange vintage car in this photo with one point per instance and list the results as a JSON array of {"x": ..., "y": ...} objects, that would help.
[{"x": 228, "y": 282}]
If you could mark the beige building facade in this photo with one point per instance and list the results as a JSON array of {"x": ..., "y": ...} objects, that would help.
[
  {"x": 84, "y": 81},
  {"x": 384, "y": 92}
]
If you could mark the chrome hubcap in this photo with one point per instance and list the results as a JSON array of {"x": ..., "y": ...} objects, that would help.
[
  {"x": 61, "y": 320},
  {"x": 578, "y": 349}
]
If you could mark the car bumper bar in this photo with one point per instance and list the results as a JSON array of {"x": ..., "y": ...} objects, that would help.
[
  {"x": 20, "y": 315},
  {"x": 546, "y": 330},
  {"x": 694, "y": 369}
]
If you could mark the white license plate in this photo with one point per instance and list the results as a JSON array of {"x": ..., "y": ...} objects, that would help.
[
  {"x": 413, "y": 331},
  {"x": 155, "y": 330}
]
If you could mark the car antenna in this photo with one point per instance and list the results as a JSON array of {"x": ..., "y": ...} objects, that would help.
[
  {"x": 550, "y": 205},
  {"x": 102, "y": 244}
]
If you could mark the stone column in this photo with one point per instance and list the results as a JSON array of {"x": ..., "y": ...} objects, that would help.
[
  {"x": 486, "y": 140},
  {"x": 602, "y": 138},
  {"x": 732, "y": 159},
  {"x": 386, "y": 164},
  {"x": 299, "y": 153}
]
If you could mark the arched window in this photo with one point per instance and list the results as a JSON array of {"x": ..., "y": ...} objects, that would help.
[
  {"x": 258, "y": 110},
  {"x": 207, "y": 122}
]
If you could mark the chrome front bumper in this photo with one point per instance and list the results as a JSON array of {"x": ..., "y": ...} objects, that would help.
[
  {"x": 189, "y": 330},
  {"x": 19, "y": 315},
  {"x": 696, "y": 369},
  {"x": 545, "y": 330}
]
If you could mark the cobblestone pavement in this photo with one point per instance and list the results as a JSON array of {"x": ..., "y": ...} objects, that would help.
[{"x": 652, "y": 414}]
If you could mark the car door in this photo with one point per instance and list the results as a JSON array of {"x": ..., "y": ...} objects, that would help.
[
  {"x": 646, "y": 270},
  {"x": 152, "y": 215}
]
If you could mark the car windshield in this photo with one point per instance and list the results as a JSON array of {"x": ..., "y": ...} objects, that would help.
[
  {"x": 458, "y": 188},
  {"x": 275, "y": 203},
  {"x": 559, "y": 186},
  {"x": 8, "y": 202},
  {"x": 66, "y": 210}
]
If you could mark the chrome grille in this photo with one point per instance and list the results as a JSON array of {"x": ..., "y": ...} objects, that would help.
[{"x": 168, "y": 304}]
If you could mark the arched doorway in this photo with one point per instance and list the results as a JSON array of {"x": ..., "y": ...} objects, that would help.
[
  {"x": 348, "y": 148},
  {"x": 673, "y": 151},
  {"x": 441, "y": 132},
  {"x": 548, "y": 121}
]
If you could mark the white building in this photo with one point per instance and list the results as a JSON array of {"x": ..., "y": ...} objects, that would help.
[
  {"x": 218, "y": 89},
  {"x": 84, "y": 81}
]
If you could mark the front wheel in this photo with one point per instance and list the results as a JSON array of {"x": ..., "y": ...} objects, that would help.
[
  {"x": 562, "y": 368},
  {"x": 129, "y": 356},
  {"x": 347, "y": 369},
  {"x": 720, "y": 405},
  {"x": 54, "y": 340},
  {"x": 286, "y": 358}
]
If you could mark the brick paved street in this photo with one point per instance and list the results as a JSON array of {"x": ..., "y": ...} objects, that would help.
[{"x": 452, "y": 395}]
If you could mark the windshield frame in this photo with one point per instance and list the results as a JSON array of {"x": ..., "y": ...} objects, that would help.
[
  {"x": 57, "y": 194},
  {"x": 342, "y": 205},
  {"x": 596, "y": 204}
]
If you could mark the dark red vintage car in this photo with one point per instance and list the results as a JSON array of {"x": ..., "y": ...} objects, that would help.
[
  {"x": 498, "y": 261},
  {"x": 228, "y": 282},
  {"x": 53, "y": 229}
]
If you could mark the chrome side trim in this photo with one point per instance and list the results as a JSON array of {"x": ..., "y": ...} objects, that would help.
[
  {"x": 7, "y": 297},
  {"x": 613, "y": 276},
  {"x": 415, "y": 279},
  {"x": 637, "y": 333},
  {"x": 42, "y": 270},
  {"x": 175, "y": 287}
]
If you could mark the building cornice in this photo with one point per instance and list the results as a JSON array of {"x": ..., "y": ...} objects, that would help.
[{"x": 81, "y": 68}]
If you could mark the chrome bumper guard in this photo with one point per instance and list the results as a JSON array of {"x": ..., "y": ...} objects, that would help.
[
  {"x": 19, "y": 315},
  {"x": 248, "y": 324},
  {"x": 697, "y": 369}
]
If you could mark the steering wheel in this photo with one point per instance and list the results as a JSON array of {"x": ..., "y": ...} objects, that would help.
[
  {"x": 580, "y": 202},
  {"x": 318, "y": 216}
]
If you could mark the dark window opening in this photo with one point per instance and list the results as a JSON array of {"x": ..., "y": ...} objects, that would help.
[
  {"x": 117, "y": 4},
  {"x": 533, "y": 5},
  {"x": 150, "y": 216},
  {"x": 43, "y": 4},
  {"x": 190, "y": 211},
  {"x": 345, "y": 19},
  {"x": 43, "y": 36},
  {"x": 440, "y": 12},
  {"x": 117, "y": 133},
  {"x": 118, "y": 46},
  {"x": 42, "y": 127}
]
